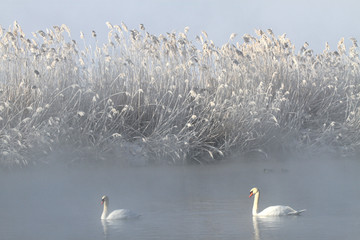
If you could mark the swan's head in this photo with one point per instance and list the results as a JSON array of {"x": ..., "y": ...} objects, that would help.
[
  {"x": 253, "y": 191},
  {"x": 104, "y": 199}
]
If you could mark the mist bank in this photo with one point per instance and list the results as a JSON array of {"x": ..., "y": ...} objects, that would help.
[{"x": 170, "y": 99}]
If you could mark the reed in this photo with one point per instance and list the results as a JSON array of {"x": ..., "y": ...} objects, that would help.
[{"x": 172, "y": 99}]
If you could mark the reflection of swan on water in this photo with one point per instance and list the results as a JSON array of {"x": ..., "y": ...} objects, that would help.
[
  {"x": 263, "y": 223},
  {"x": 256, "y": 229},
  {"x": 105, "y": 227},
  {"x": 117, "y": 214},
  {"x": 273, "y": 210},
  {"x": 112, "y": 225}
]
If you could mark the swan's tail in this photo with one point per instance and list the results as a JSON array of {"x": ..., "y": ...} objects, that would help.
[{"x": 297, "y": 212}]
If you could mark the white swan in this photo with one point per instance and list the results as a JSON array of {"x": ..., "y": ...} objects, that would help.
[
  {"x": 273, "y": 210},
  {"x": 116, "y": 214}
]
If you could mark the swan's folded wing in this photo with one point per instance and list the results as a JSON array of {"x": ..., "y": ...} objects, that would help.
[
  {"x": 278, "y": 211},
  {"x": 122, "y": 214}
]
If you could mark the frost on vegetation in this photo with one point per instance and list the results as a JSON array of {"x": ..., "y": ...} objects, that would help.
[{"x": 173, "y": 98}]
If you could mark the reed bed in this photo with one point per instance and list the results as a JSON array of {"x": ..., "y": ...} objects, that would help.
[{"x": 169, "y": 99}]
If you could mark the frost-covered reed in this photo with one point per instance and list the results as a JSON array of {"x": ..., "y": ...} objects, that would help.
[{"x": 170, "y": 98}]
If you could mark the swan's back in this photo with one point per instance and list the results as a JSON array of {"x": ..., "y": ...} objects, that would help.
[
  {"x": 279, "y": 211},
  {"x": 122, "y": 214}
]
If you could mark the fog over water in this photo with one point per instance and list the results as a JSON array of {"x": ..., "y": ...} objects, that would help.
[{"x": 183, "y": 202}]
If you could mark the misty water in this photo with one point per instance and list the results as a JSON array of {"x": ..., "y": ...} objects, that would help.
[{"x": 183, "y": 202}]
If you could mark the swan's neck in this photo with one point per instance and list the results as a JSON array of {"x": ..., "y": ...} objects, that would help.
[
  {"x": 256, "y": 202},
  {"x": 105, "y": 211}
]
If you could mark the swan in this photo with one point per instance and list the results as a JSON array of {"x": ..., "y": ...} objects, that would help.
[
  {"x": 116, "y": 214},
  {"x": 272, "y": 210}
]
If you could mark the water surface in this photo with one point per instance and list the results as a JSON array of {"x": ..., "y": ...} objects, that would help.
[{"x": 183, "y": 202}]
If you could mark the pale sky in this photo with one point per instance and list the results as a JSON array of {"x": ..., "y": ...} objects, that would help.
[{"x": 316, "y": 21}]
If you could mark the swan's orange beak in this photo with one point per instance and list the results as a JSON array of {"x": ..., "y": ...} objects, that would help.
[
  {"x": 251, "y": 193},
  {"x": 102, "y": 202}
]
